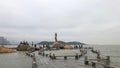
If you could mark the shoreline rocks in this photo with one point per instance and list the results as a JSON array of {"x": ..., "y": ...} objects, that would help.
[
  {"x": 6, "y": 50},
  {"x": 22, "y": 47}
]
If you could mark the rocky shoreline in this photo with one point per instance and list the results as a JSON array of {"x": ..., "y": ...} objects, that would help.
[{"x": 6, "y": 50}]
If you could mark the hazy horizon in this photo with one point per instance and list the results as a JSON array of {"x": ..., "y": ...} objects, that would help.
[{"x": 87, "y": 21}]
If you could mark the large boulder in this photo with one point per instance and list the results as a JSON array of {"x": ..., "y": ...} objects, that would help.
[
  {"x": 23, "y": 47},
  {"x": 57, "y": 45},
  {"x": 68, "y": 47}
]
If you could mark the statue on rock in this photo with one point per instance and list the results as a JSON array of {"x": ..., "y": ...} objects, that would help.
[
  {"x": 56, "y": 44},
  {"x": 56, "y": 37}
]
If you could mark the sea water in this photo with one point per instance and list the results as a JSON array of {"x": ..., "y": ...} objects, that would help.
[
  {"x": 110, "y": 50},
  {"x": 15, "y": 60},
  {"x": 20, "y": 60}
]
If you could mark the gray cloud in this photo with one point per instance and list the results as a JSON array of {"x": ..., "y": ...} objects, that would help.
[{"x": 73, "y": 20}]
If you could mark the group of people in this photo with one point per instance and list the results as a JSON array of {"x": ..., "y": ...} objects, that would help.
[
  {"x": 76, "y": 47},
  {"x": 24, "y": 43}
]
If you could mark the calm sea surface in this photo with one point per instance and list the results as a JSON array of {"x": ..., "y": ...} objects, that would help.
[
  {"x": 20, "y": 60},
  {"x": 110, "y": 50}
]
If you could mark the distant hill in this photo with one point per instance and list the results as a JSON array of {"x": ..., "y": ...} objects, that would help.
[
  {"x": 62, "y": 42},
  {"x": 4, "y": 41}
]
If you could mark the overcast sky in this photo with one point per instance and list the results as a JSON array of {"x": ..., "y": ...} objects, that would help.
[{"x": 88, "y": 21}]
